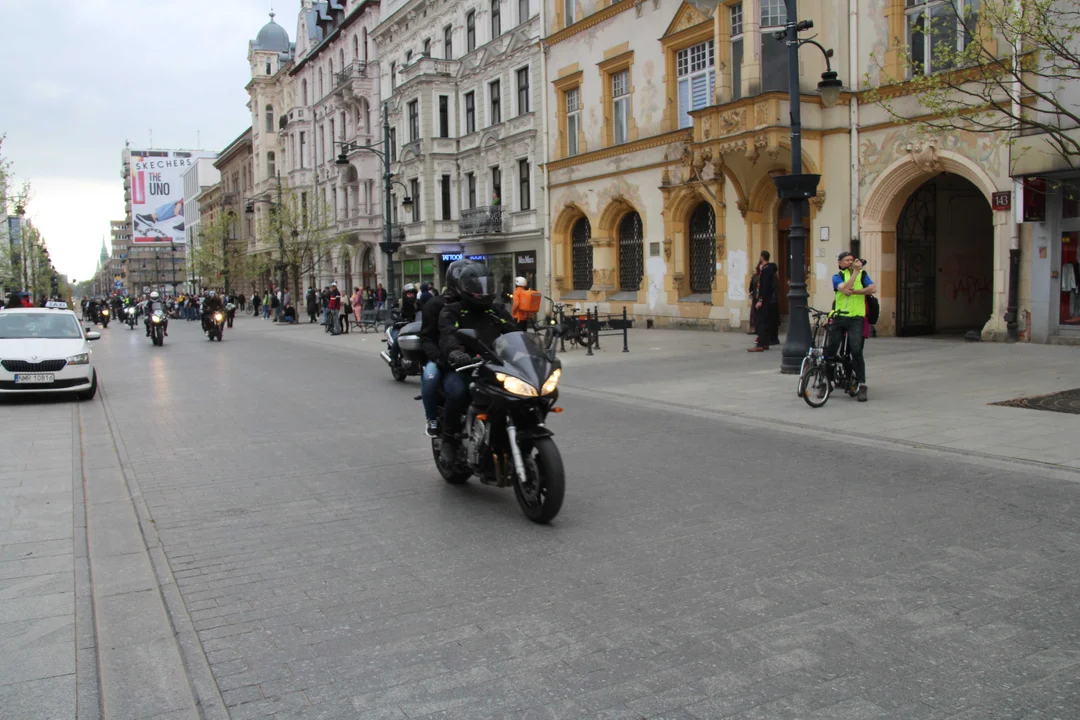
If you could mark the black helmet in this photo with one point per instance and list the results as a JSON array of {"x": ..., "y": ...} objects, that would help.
[
  {"x": 453, "y": 272},
  {"x": 476, "y": 286}
]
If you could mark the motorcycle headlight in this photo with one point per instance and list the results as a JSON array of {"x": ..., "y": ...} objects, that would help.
[
  {"x": 516, "y": 386},
  {"x": 104, "y": 312},
  {"x": 80, "y": 359},
  {"x": 156, "y": 318},
  {"x": 551, "y": 383},
  {"x": 218, "y": 316}
]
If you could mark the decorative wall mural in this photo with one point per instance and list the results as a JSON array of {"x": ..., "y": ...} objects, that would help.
[{"x": 878, "y": 151}]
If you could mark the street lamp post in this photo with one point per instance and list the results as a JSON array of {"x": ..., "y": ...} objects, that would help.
[
  {"x": 797, "y": 188},
  {"x": 388, "y": 245}
]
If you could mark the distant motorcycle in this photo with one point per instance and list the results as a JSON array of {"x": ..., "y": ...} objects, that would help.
[
  {"x": 129, "y": 317},
  {"x": 403, "y": 353},
  {"x": 105, "y": 312},
  {"x": 215, "y": 326},
  {"x": 159, "y": 323}
]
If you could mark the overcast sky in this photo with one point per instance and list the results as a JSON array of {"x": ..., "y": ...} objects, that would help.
[{"x": 81, "y": 77}]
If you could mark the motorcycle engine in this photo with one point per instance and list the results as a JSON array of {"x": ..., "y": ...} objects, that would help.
[{"x": 478, "y": 440}]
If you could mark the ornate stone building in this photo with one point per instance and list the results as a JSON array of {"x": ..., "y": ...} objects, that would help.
[
  {"x": 669, "y": 123},
  {"x": 464, "y": 85}
]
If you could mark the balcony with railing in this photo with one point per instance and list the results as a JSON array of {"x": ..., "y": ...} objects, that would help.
[
  {"x": 426, "y": 66},
  {"x": 486, "y": 220},
  {"x": 358, "y": 78}
]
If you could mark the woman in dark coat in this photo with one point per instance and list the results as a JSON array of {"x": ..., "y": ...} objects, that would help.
[{"x": 312, "y": 305}]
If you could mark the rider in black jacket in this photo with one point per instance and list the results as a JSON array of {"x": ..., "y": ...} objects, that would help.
[
  {"x": 474, "y": 310},
  {"x": 210, "y": 305},
  {"x": 429, "y": 342}
]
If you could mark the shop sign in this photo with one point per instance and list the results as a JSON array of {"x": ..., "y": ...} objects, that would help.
[{"x": 451, "y": 257}]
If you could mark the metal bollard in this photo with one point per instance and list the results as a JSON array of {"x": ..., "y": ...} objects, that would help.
[
  {"x": 595, "y": 327},
  {"x": 625, "y": 346}
]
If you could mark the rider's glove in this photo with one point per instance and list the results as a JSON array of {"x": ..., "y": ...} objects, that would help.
[{"x": 460, "y": 358}]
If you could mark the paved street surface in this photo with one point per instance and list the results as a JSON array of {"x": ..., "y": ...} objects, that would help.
[{"x": 268, "y": 535}]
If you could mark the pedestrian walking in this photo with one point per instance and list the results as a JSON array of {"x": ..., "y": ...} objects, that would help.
[
  {"x": 767, "y": 305},
  {"x": 346, "y": 311},
  {"x": 333, "y": 310},
  {"x": 312, "y": 305}
]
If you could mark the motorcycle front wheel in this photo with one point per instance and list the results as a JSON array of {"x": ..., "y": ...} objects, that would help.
[
  {"x": 540, "y": 494},
  {"x": 817, "y": 387},
  {"x": 398, "y": 372}
]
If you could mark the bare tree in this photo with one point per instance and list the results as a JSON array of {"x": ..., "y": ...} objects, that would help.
[
  {"x": 307, "y": 231},
  {"x": 1002, "y": 67}
]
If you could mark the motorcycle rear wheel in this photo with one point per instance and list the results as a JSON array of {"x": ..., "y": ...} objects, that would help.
[
  {"x": 454, "y": 476},
  {"x": 542, "y": 498},
  {"x": 398, "y": 372}
]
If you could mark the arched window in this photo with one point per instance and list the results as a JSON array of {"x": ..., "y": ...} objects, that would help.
[
  {"x": 631, "y": 255},
  {"x": 427, "y": 47},
  {"x": 303, "y": 91},
  {"x": 269, "y": 118},
  {"x": 331, "y": 72},
  {"x": 363, "y": 44},
  {"x": 322, "y": 88},
  {"x": 355, "y": 47},
  {"x": 582, "y": 254},
  {"x": 702, "y": 248},
  {"x": 341, "y": 58},
  {"x": 408, "y": 56}
]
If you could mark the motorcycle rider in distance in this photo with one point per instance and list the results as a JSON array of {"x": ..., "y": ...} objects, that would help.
[
  {"x": 474, "y": 310},
  {"x": 210, "y": 305},
  {"x": 154, "y": 303},
  {"x": 408, "y": 303},
  {"x": 429, "y": 341}
]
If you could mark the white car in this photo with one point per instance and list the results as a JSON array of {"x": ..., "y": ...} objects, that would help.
[{"x": 45, "y": 350}]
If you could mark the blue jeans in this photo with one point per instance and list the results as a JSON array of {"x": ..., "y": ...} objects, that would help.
[
  {"x": 429, "y": 386},
  {"x": 456, "y": 390}
]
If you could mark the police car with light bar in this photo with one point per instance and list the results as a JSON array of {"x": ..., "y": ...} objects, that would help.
[{"x": 45, "y": 350}]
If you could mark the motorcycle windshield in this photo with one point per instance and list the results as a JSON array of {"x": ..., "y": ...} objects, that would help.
[{"x": 524, "y": 358}]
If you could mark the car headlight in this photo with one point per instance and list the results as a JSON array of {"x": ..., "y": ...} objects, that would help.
[
  {"x": 217, "y": 316},
  {"x": 80, "y": 359},
  {"x": 551, "y": 383},
  {"x": 515, "y": 386}
]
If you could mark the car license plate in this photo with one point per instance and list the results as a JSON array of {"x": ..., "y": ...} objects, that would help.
[{"x": 34, "y": 379}]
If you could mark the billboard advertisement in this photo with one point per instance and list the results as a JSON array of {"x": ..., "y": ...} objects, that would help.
[{"x": 157, "y": 194}]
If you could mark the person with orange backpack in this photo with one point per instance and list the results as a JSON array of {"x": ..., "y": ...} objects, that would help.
[{"x": 525, "y": 305}]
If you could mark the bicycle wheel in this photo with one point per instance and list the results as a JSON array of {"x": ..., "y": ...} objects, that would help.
[
  {"x": 817, "y": 387},
  {"x": 800, "y": 387}
]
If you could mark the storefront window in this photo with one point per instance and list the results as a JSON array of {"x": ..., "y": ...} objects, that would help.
[
  {"x": 502, "y": 266},
  {"x": 418, "y": 271},
  {"x": 1070, "y": 279}
]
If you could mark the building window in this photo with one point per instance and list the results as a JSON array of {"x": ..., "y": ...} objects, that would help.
[
  {"x": 934, "y": 43},
  {"x": 322, "y": 144},
  {"x": 470, "y": 112},
  {"x": 322, "y": 91},
  {"x": 341, "y": 58},
  {"x": 496, "y": 103},
  {"x": 303, "y": 148},
  {"x": 414, "y": 190},
  {"x": 427, "y": 47},
  {"x": 573, "y": 120},
  {"x": 445, "y": 188},
  {"x": 332, "y": 136},
  {"x": 470, "y": 31},
  {"x": 363, "y": 44},
  {"x": 581, "y": 254},
  {"x": 496, "y": 185},
  {"x": 408, "y": 57},
  {"x": 271, "y": 164},
  {"x": 393, "y": 143},
  {"x": 524, "y": 186},
  {"x": 414, "y": 121},
  {"x": 702, "y": 247},
  {"x": 620, "y": 105},
  {"x": 523, "y": 90},
  {"x": 697, "y": 79},
  {"x": 448, "y": 42},
  {"x": 268, "y": 68},
  {"x": 496, "y": 19},
  {"x": 393, "y": 75},
  {"x": 470, "y": 181},
  {"x": 569, "y": 12},
  {"x": 269, "y": 118},
  {"x": 523, "y": 11},
  {"x": 355, "y": 47},
  {"x": 444, "y": 116},
  {"x": 736, "y": 51},
  {"x": 303, "y": 91},
  {"x": 774, "y": 53},
  {"x": 303, "y": 209},
  {"x": 631, "y": 253}
]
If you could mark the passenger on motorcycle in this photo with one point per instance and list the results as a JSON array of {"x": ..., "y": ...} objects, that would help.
[
  {"x": 154, "y": 303},
  {"x": 852, "y": 285},
  {"x": 429, "y": 341},
  {"x": 408, "y": 303},
  {"x": 474, "y": 310},
  {"x": 210, "y": 305}
]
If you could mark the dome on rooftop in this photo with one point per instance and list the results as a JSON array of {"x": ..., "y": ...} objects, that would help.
[{"x": 272, "y": 37}]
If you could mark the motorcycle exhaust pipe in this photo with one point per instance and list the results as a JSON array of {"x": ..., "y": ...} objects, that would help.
[{"x": 386, "y": 356}]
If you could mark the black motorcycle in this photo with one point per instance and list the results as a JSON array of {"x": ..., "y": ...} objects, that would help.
[
  {"x": 504, "y": 441},
  {"x": 129, "y": 317},
  {"x": 105, "y": 313},
  {"x": 403, "y": 353},
  {"x": 215, "y": 325},
  {"x": 159, "y": 323}
]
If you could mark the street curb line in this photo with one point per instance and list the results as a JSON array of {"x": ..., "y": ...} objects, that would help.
[
  {"x": 1061, "y": 472},
  {"x": 87, "y": 674},
  {"x": 202, "y": 685}
]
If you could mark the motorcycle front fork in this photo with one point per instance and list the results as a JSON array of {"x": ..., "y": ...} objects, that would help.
[{"x": 519, "y": 463}]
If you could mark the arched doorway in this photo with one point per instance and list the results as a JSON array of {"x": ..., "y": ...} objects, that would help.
[
  {"x": 783, "y": 249},
  {"x": 944, "y": 258},
  {"x": 631, "y": 253},
  {"x": 345, "y": 265},
  {"x": 702, "y": 249},
  {"x": 368, "y": 274},
  {"x": 582, "y": 254}
]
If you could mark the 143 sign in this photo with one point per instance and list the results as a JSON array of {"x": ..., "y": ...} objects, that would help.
[{"x": 1001, "y": 200}]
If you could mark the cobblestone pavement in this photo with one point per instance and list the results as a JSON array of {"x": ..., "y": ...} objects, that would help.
[{"x": 702, "y": 567}]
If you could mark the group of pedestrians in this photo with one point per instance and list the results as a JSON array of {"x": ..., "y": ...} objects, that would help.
[{"x": 334, "y": 308}]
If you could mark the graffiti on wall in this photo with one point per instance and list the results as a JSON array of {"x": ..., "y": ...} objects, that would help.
[{"x": 961, "y": 283}]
